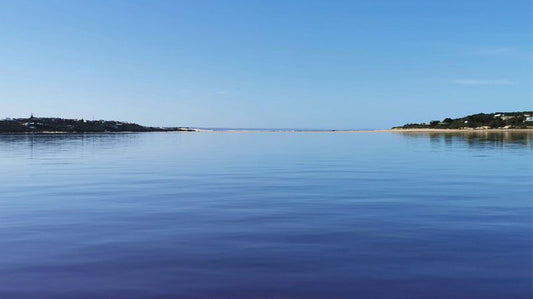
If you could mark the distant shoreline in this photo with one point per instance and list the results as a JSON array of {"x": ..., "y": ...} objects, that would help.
[
  {"x": 287, "y": 131},
  {"x": 480, "y": 121},
  {"x": 371, "y": 131},
  {"x": 458, "y": 130},
  {"x": 56, "y": 125},
  {"x": 494, "y": 122}
]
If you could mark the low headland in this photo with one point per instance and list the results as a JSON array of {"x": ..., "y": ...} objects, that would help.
[
  {"x": 62, "y": 125},
  {"x": 498, "y": 121}
]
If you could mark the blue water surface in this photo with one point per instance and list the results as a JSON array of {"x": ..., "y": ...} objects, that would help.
[{"x": 266, "y": 215}]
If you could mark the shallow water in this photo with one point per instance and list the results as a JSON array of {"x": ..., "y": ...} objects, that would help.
[{"x": 266, "y": 215}]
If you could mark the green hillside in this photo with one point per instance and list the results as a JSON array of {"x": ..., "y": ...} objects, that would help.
[{"x": 497, "y": 120}]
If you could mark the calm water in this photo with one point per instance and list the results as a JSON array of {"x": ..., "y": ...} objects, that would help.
[{"x": 266, "y": 215}]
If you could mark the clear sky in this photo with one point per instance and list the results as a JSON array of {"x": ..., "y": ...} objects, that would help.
[{"x": 265, "y": 64}]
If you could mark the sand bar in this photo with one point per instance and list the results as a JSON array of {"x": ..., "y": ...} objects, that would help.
[{"x": 372, "y": 131}]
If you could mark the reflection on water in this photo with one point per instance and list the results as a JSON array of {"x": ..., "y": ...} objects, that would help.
[
  {"x": 476, "y": 139},
  {"x": 59, "y": 139},
  {"x": 43, "y": 145},
  {"x": 471, "y": 137}
]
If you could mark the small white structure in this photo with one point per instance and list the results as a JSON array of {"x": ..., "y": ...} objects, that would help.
[
  {"x": 506, "y": 117},
  {"x": 529, "y": 119}
]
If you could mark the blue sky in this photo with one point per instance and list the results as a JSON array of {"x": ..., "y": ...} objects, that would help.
[{"x": 265, "y": 64}]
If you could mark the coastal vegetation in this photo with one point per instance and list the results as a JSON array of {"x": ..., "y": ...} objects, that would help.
[
  {"x": 480, "y": 121},
  {"x": 61, "y": 125}
]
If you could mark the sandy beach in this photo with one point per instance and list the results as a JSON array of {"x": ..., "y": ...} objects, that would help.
[
  {"x": 460, "y": 130},
  {"x": 373, "y": 131}
]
